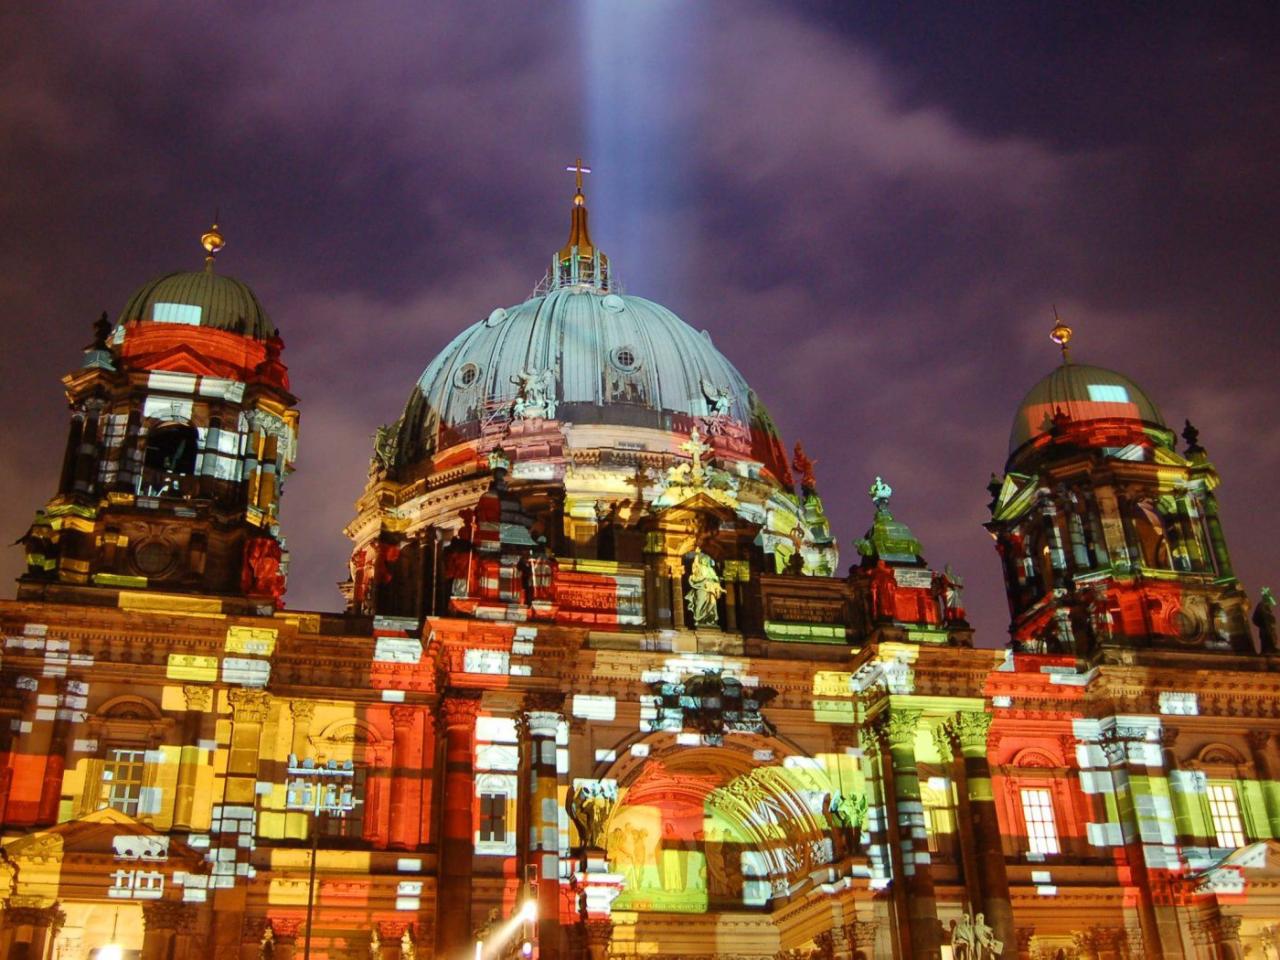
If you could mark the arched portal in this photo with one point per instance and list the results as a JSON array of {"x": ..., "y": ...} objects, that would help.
[{"x": 701, "y": 829}]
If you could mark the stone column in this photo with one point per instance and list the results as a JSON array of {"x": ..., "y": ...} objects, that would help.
[
  {"x": 675, "y": 571},
  {"x": 1130, "y": 756},
  {"x": 55, "y": 760},
  {"x": 199, "y": 703},
  {"x": 236, "y": 816},
  {"x": 971, "y": 731},
  {"x": 427, "y": 787},
  {"x": 542, "y": 719},
  {"x": 1259, "y": 740},
  {"x": 458, "y": 712},
  {"x": 284, "y": 936},
  {"x": 390, "y": 938},
  {"x": 1025, "y": 936},
  {"x": 922, "y": 907},
  {"x": 406, "y": 786},
  {"x": 599, "y": 933},
  {"x": 252, "y": 932},
  {"x": 302, "y": 712},
  {"x": 945, "y": 741},
  {"x": 162, "y": 922},
  {"x": 26, "y": 923},
  {"x": 883, "y": 842}
]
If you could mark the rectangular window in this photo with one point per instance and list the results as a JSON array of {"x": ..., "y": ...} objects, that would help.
[
  {"x": 493, "y": 817},
  {"x": 176, "y": 313},
  {"x": 1108, "y": 393},
  {"x": 1037, "y": 811},
  {"x": 122, "y": 780},
  {"x": 939, "y": 821},
  {"x": 1224, "y": 809}
]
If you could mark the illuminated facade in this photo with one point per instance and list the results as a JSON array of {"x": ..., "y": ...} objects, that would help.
[{"x": 602, "y": 683}]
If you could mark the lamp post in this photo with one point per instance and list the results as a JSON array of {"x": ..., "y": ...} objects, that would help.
[
  {"x": 112, "y": 949},
  {"x": 327, "y": 790}
]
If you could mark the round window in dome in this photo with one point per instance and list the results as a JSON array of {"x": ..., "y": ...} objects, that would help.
[
  {"x": 496, "y": 317},
  {"x": 466, "y": 375},
  {"x": 613, "y": 303},
  {"x": 625, "y": 359}
]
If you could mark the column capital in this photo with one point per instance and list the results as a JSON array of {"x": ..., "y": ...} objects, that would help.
[
  {"x": 870, "y": 739},
  {"x": 199, "y": 697},
  {"x": 541, "y": 723},
  {"x": 1258, "y": 740},
  {"x": 284, "y": 930},
  {"x": 944, "y": 740},
  {"x": 901, "y": 727},
  {"x": 167, "y": 915},
  {"x": 403, "y": 716},
  {"x": 393, "y": 929},
  {"x": 460, "y": 708},
  {"x": 544, "y": 700},
  {"x": 971, "y": 729},
  {"x": 248, "y": 705},
  {"x": 20, "y": 913},
  {"x": 302, "y": 710}
]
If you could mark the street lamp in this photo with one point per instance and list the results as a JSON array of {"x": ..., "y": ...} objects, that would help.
[
  {"x": 112, "y": 950},
  {"x": 317, "y": 790}
]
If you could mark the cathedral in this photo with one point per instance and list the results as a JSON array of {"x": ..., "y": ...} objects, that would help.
[{"x": 604, "y": 686}]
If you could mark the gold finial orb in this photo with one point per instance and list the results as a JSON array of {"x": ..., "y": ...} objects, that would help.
[
  {"x": 1061, "y": 334},
  {"x": 212, "y": 240}
]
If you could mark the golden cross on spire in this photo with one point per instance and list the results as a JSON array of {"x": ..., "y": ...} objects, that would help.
[{"x": 578, "y": 170}]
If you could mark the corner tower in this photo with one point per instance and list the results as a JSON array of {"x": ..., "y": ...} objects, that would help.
[
  {"x": 182, "y": 432},
  {"x": 1108, "y": 535}
]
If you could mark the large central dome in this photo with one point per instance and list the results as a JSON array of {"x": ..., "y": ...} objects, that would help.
[
  {"x": 607, "y": 359},
  {"x": 579, "y": 353}
]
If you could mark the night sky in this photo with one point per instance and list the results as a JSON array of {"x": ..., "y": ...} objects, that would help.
[{"x": 871, "y": 207}]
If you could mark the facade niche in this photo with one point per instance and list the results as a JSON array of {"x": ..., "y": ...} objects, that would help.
[{"x": 169, "y": 461}]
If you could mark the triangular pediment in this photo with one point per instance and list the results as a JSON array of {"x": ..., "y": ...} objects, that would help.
[
  {"x": 102, "y": 833},
  {"x": 184, "y": 359},
  {"x": 1017, "y": 494},
  {"x": 701, "y": 502}
]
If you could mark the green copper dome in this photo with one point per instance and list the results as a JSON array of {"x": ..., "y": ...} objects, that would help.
[
  {"x": 599, "y": 358},
  {"x": 201, "y": 298},
  {"x": 1082, "y": 393}
]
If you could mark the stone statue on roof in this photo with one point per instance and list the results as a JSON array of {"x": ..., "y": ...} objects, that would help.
[
  {"x": 719, "y": 400},
  {"x": 1264, "y": 618},
  {"x": 535, "y": 396},
  {"x": 880, "y": 492}
]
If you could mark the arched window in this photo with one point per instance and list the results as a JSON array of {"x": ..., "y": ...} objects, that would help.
[
  {"x": 1153, "y": 540},
  {"x": 170, "y": 456}
]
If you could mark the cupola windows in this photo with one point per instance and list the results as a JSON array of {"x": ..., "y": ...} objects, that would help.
[{"x": 170, "y": 456}]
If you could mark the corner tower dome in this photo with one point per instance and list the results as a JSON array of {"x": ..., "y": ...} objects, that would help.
[
  {"x": 1080, "y": 393},
  {"x": 201, "y": 298}
]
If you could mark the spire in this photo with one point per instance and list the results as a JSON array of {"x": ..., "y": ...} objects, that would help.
[
  {"x": 1061, "y": 335},
  {"x": 579, "y": 264},
  {"x": 212, "y": 242},
  {"x": 579, "y": 236}
]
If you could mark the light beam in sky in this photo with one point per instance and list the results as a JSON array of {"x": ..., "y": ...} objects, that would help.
[{"x": 641, "y": 76}]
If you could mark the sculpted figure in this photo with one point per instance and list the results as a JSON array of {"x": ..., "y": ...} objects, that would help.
[
  {"x": 718, "y": 399},
  {"x": 535, "y": 395},
  {"x": 1264, "y": 618},
  {"x": 1100, "y": 621},
  {"x": 952, "y": 588},
  {"x": 705, "y": 591},
  {"x": 986, "y": 946},
  {"x": 589, "y": 808}
]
